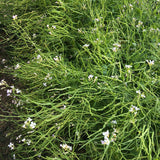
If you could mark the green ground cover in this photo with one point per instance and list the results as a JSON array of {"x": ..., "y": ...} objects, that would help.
[{"x": 87, "y": 79}]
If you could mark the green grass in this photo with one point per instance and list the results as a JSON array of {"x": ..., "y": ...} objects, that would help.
[{"x": 81, "y": 67}]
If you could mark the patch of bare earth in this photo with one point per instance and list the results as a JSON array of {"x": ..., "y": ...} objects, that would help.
[{"x": 5, "y": 110}]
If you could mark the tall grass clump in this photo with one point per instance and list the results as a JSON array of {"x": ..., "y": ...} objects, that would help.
[{"x": 89, "y": 77}]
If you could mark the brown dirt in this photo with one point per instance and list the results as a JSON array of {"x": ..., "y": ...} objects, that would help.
[{"x": 5, "y": 126}]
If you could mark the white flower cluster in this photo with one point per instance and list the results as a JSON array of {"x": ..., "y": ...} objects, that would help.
[
  {"x": 57, "y": 2},
  {"x": 134, "y": 109},
  {"x": 80, "y": 30},
  {"x": 29, "y": 123},
  {"x": 27, "y": 141},
  {"x": 114, "y": 135},
  {"x": 66, "y": 147},
  {"x": 9, "y": 91},
  {"x": 150, "y": 62},
  {"x": 14, "y": 17},
  {"x": 39, "y": 58},
  {"x": 90, "y": 77},
  {"x": 131, "y": 6},
  {"x": 142, "y": 95},
  {"x": 11, "y": 145},
  {"x": 128, "y": 68},
  {"x": 53, "y": 27},
  {"x": 3, "y": 61},
  {"x": 106, "y": 138},
  {"x": 114, "y": 122},
  {"x": 85, "y": 45},
  {"x": 154, "y": 30},
  {"x": 48, "y": 77},
  {"x": 139, "y": 24},
  {"x": 57, "y": 58},
  {"x": 3, "y": 82},
  {"x": 97, "y": 40},
  {"x": 116, "y": 76},
  {"x": 17, "y": 66},
  {"x": 17, "y": 102},
  {"x": 96, "y": 19},
  {"x": 116, "y": 47}
]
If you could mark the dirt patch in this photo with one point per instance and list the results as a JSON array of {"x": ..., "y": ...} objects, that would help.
[{"x": 5, "y": 109}]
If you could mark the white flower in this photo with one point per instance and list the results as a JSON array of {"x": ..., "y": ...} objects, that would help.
[
  {"x": 114, "y": 122},
  {"x": 96, "y": 19},
  {"x": 114, "y": 49},
  {"x": 90, "y": 76},
  {"x": 150, "y": 62},
  {"x": 140, "y": 22},
  {"x": 3, "y": 82},
  {"x": 114, "y": 135},
  {"x": 116, "y": 77},
  {"x": 106, "y": 134},
  {"x": 158, "y": 29},
  {"x": 9, "y": 91},
  {"x": 39, "y": 56},
  {"x": 14, "y": 156},
  {"x": 11, "y": 145},
  {"x": 30, "y": 123},
  {"x": 57, "y": 58},
  {"x": 106, "y": 141},
  {"x": 3, "y": 61},
  {"x": 134, "y": 109},
  {"x": 47, "y": 25},
  {"x": 54, "y": 27},
  {"x": 34, "y": 35},
  {"x": 117, "y": 45},
  {"x": 45, "y": 84},
  {"x": 131, "y": 6},
  {"x": 115, "y": 131},
  {"x": 64, "y": 107},
  {"x": 58, "y": 2},
  {"x": 29, "y": 119},
  {"x": 18, "y": 91},
  {"x": 17, "y": 66},
  {"x": 48, "y": 77},
  {"x": 95, "y": 79},
  {"x": 152, "y": 29},
  {"x": 134, "y": 19},
  {"x": 23, "y": 140},
  {"x": 79, "y": 30},
  {"x": 14, "y": 17},
  {"x": 30, "y": 132},
  {"x": 128, "y": 66},
  {"x": 28, "y": 141},
  {"x": 139, "y": 92},
  {"x": 66, "y": 147},
  {"x": 33, "y": 125},
  {"x": 24, "y": 126},
  {"x": 86, "y": 45},
  {"x": 18, "y": 137},
  {"x": 142, "y": 95}
]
